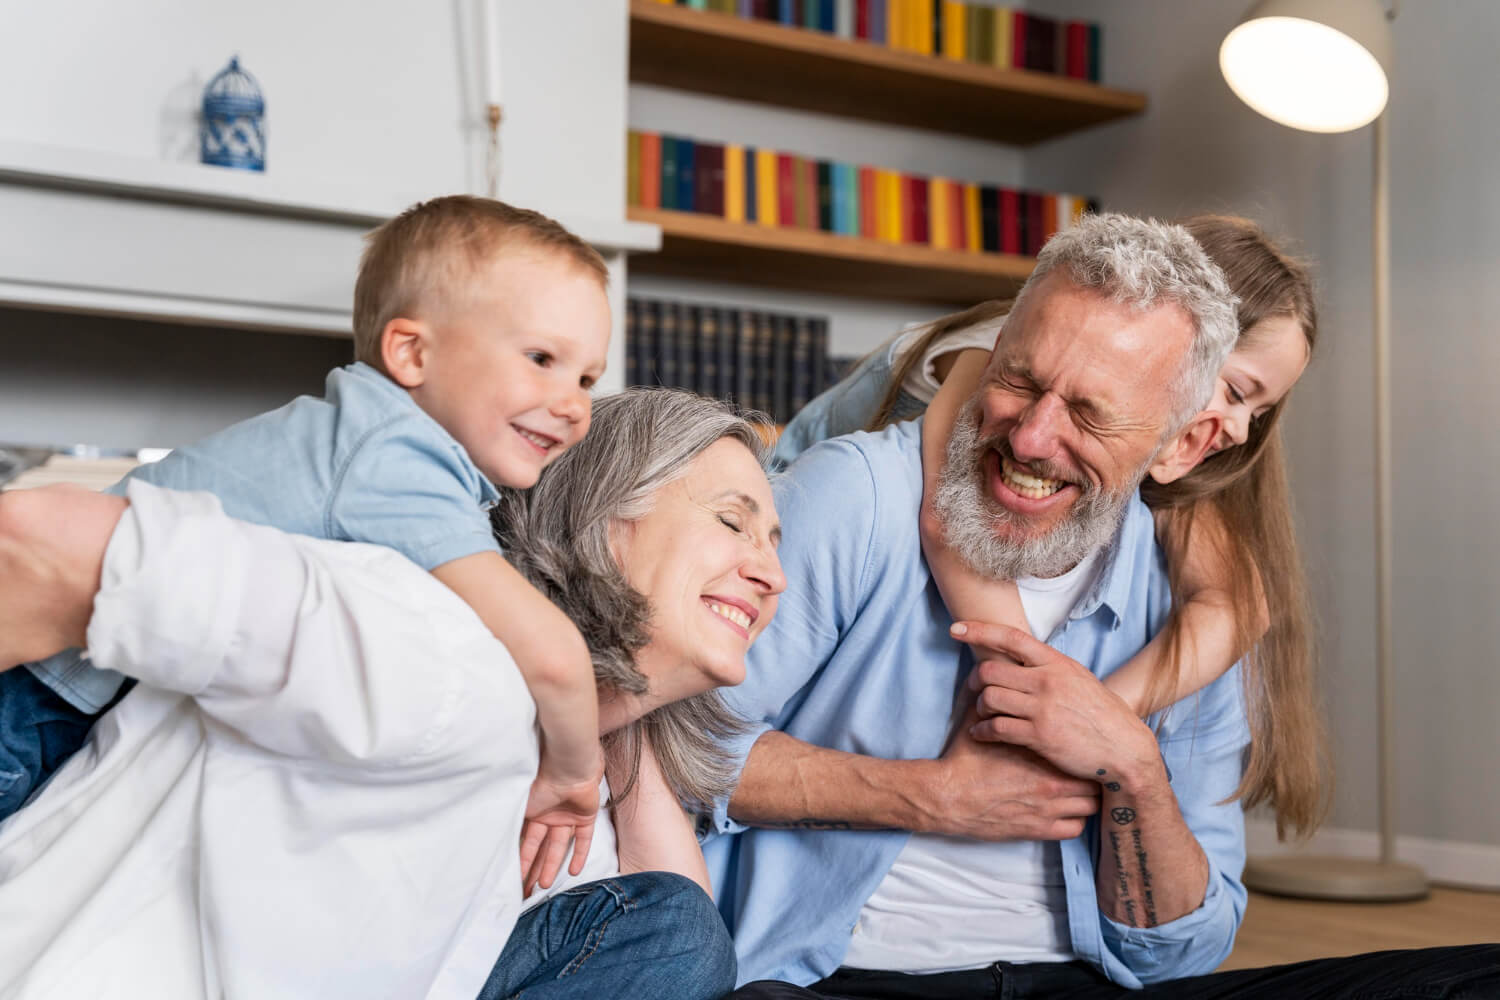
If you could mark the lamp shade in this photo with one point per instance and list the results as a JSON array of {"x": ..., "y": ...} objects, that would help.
[{"x": 1315, "y": 65}]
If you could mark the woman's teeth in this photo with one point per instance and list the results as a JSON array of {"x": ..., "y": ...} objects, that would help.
[
  {"x": 730, "y": 613},
  {"x": 1029, "y": 486}
]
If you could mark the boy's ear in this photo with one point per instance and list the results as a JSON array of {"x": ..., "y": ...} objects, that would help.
[
  {"x": 404, "y": 345},
  {"x": 1187, "y": 448}
]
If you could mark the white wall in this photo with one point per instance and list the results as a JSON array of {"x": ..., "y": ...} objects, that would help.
[
  {"x": 375, "y": 98},
  {"x": 1199, "y": 148}
]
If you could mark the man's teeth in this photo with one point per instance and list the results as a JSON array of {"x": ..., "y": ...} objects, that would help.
[
  {"x": 541, "y": 442},
  {"x": 1029, "y": 486},
  {"x": 731, "y": 613}
]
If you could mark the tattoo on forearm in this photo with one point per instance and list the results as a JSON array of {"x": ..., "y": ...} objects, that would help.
[
  {"x": 807, "y": 824},
  {"x": 1124, "y": 880},
  {"x": 1123, "y": 815},
  {"x": 1140, "y": 860},
  {"x": 1113, "y": 786}
]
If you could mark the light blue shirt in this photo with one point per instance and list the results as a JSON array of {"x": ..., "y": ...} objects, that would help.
[
  {"x": 362, "y": 464},
  {"x": 858, "y": 658}
]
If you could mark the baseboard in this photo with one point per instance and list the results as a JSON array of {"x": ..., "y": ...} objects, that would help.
[{"x": 1450, "y": 862}]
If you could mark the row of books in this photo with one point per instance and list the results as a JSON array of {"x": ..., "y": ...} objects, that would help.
[
  {"x": 772, "y": 362},
  {"x": 770, "y": 188},
  {"x": 966, "y": 32}
]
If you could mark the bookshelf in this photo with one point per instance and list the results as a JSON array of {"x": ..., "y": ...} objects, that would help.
[
  {"x": 710, "y": 247},
  {"x": 728, "y": 56}
]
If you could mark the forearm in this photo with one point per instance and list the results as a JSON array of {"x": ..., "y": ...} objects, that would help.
[
  {"x": 1151, "y": 867},
  {"x": 1209, "y": 644},
  {"x": 789, "y": 784},
  {"x": 651, "y": 830}
]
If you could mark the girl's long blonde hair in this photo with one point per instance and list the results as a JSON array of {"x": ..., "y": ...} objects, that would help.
[{"x": 1238, "y": 501}]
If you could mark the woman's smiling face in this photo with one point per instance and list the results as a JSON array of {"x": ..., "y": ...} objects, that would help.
[
  {"x": 705, "y": 559},
  {"x": 1268, "y": 360}
]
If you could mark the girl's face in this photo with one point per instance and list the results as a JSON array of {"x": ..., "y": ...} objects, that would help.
[{"x": 1269, "y": 360}]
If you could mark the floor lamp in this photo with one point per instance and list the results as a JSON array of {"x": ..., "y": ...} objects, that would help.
[{"x": 1321, "y": 66}]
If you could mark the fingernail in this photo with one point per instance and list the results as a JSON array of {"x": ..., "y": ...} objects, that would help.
[{"x": 958, "y": 628}]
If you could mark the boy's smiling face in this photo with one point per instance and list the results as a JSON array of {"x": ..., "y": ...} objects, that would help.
[{"x": 508, "y": 364}]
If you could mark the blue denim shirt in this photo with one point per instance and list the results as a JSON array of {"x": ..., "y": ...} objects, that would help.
[
  {"x": 361, "y": 464},
  {"x": 858, "y": 658}
]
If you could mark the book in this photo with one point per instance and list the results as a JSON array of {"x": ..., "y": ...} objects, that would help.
[
  {"x": 733, "y": 193},
  {"x": 667, "y": 344},
  {"x": 918, "y": 206},
  {"x": 632, "y": 341},
  {"x": 650, "y": 170},
  {"x": 957, "y": 238},
  {"x": 862, "y": 19},
  {"x": 1010, "y": 221},
  {"x": 868, "y": 217},
  {"x": 687, "y": 175},
  {"x": 632, "y": 168},
  {"x": 767, "y": 207},
  {"x": 1023, "y": 221},
  {"x": 1004, "y": 24},
  {"x": 799, "y": 375},
  {"x": 1048, "y": 220},
  {"x": 935, "y": 19},
  {"x": 726, "y": 323},
  {"x": 782, "y": 334},
  {"x": 955, "y": 30},
  {"x": 843, "y": 18},
  {"x": 1018, "y": 25},
  {"x": 989, "y": 217},
  {"x": 751, "y": 196},
  {"x": 807, "y": 190},
  {"x": 938, "y": 219},
  {"x": 973, "y": 220},
  {"x": 787, "y": 12},
  {"x": 669, "y": 171},
  {"x": 705, "y": 351},
  {"x": 786, "y": 188},
  {"x": 879, "y": 22},
  {"x": 648, "y": 345},
  {"x": 823, "y": 177},
  {"x": 744, "y": 358},
  {"x": 1077, "y": 62},
  {"x": 765, "y": 371},
  {"x": 1036, "y": 233},
  {"x": 1095, "y": 60},
  {"x": 708, "y": 171},
  {"x": 819, "y": 380}
]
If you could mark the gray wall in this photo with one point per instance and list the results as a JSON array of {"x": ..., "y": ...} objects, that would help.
[{"x": 1199, "y": 148}]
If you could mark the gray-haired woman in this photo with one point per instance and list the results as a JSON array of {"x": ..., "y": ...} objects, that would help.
[{"x": 315, "y": 788}]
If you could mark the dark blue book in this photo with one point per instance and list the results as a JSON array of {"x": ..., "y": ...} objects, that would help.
[
  {"x": 751, "y": 191},
  {"x": 705, "y": 352},
  {"x": 799, "y": 377},
  {"x": 687, "y": 176},
  {"x": 783, "y": 333},
  {"x": 668, "y": 194},
  {"x": 648, "y": 344},
  {"x": 727, "y": 321},
  {"x": 765, "y": 371},
  {"x": 819, "y": 357},
  {"x": 671, "y": 326},
  {"x": 827, "y": 21},
  {"x": 878, "y": 10},
  {"x": 989, "y": 218},
  {"x": 786, "y": 12},
  {"x": 744, "y": 358},
  {"x": 632, "y": 341}
]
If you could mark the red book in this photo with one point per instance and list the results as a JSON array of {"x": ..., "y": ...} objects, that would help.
[
  {"x": 1078, "y": 50},
  {"x": 650, "y": 169},
  {"x": 921, "y": 224},
  {"x": 1035, "y": 225},
  {"x": 786, "y": 189},
  {"x": 861, "y": 18},
  {"x": 958, "y": 238},
  {"x": 708, "y": 165},
  {"x": 867, "y": 204},
  {"x": 1010, "y": 221},
  {"x": 1049, "y": 216},
  {"x": 1018, "y": 41},
  {"x": 807, "y": 194}
]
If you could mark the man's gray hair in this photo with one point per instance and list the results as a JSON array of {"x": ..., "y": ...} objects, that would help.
[
  {"x": 558, "y": 535},
  {"x": 1144, "y": 263}
]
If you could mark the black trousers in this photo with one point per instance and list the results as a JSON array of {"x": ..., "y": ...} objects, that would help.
[{"x": 1467, "y": 972}]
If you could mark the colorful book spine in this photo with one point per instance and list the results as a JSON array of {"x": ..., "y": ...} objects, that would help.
[
  {"x": 973, "y": 219},
  {"x": 734, "y": 182},
  {"x": 1003, "y": 23},
  {"x": 687, "y": 175},
  {"x": 868, "y": 216},
  {"x": 650, "y": 170},
  {"x": 786, "y": 188},
  {"x": 823, "y": 179},
  {"x": 955, "y": 30},
  {"x": 880, "y": 22},
  {"x": 747, "y": 172},
  {"x": 768, "y": 205},
  {"x": 633, "y": 168},
  {"x": 1010, "y": 221}
]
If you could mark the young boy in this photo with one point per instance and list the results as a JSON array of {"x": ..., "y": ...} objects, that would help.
[{"x": 479, "y": 329}]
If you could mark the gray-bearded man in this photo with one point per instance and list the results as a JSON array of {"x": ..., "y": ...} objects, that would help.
[{"x": 867, "y": 854}]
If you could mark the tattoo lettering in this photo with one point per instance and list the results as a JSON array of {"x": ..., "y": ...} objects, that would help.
[
  {"x": 1140, "y": 860},
  {"x": 809, "y": 824},
  {"x": 1122, "y": 815},
  {"x": 1124, "y": 880}
]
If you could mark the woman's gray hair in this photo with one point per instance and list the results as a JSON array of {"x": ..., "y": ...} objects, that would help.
[
  {"x": 1143, "y": 263},
  {"x": 558, "y": 535}
]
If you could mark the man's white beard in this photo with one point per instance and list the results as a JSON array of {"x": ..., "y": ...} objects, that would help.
[{"x": 972, "y": 519}]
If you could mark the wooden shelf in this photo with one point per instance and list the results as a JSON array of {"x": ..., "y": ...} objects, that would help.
[
  {"x": 710, "y": 247},
  {"x": 736, "y": 57}
]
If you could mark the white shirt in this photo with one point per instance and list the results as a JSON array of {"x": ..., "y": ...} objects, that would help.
[
  {"x": 950, "y": 903},
  {"x": 316, "y": 791},
  {"x": 922, "y": 381}
]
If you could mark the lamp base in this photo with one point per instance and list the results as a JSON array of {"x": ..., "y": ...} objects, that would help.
[{"x": 1352, "y": 880}]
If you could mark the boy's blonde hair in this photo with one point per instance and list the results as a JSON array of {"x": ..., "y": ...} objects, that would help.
[{"x": 421, "y": 258}]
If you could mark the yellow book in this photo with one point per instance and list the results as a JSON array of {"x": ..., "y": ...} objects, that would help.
[
  {"x": 955, "y": 29},
  {"x": 734, "y": 182},
  {"x": 888, "y": 187},
  {"x": 1005, "y": 20},
  {"x": 896, "y": 16},
  {"x": 975, "y": 236},
  {"x": 937, "y": 213},
  {"x": 766, "y": 205},
  {"x": 921, "y": 27}
]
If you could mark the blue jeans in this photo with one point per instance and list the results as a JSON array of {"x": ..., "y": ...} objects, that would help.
[
  {"x": 646, "y": 935},
  {"x": 39, "y": 731}
]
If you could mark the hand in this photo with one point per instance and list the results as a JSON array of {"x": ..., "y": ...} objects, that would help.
[
  {"x": 992, "y": 791},
  {"x": 558, "y": 812},
  {"x": 1035, "y": 697},
  {"x": 52, "y": 543}
]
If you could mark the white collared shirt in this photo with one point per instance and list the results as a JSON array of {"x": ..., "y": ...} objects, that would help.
[{"x": 316, "y": 790}]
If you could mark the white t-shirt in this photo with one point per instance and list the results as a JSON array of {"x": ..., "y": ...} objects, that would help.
[
  {"x": 951, "y": 903},
  {"x": 922, "y": 381}
]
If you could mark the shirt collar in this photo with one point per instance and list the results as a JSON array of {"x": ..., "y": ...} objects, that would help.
[{"x": 1124, "y": 565}]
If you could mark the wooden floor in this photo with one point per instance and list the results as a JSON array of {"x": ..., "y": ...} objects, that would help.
[{"x": 1278, "y": 930}]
